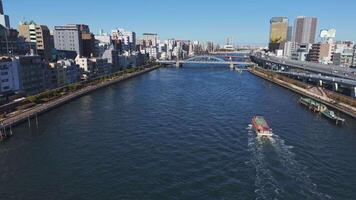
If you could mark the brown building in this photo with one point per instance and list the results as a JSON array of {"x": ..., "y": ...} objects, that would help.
[
  {"x": 320, "y": 52},
  {"x": 88, "y": 40},
  {"x": 38, "y": 36},
  {"x": 43, "y": 42},
  {"x": 305, "y": 30}
]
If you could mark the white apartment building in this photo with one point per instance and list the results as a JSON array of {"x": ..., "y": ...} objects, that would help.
[{"x": 128, "y": 38}]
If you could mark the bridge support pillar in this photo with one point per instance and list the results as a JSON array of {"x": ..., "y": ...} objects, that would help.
[
  {"x": 320, "y": 83},
  {"x": 353, "y": 92},
  {"x": 335, "y": 86}
]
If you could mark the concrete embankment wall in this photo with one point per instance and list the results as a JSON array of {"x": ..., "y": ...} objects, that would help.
[
  {"x": 43, "y": 108},
  {"x": 303, "y": 92}
]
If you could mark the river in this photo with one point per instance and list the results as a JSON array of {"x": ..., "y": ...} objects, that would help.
[{"x": 181, "y": 134}]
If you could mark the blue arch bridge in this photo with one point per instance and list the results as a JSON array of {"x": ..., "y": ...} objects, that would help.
[{"x": 206, "y": 59}]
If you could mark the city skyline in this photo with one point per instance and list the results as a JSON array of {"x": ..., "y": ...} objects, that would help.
[{"x": 246, "y": 22}]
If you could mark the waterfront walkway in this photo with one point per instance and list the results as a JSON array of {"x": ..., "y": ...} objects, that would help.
[{"x": 22, "y": 116}]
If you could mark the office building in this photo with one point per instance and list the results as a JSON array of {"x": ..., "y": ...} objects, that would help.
[
  {"x": 68, "y": 38},
  {"x": 278, "y": 33},
  {"x": 31, "y": 74},
  {"x": 305, "y": 29}
]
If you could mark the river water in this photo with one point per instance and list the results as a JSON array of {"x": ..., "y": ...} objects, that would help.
[{"x": 181, "y": 134}]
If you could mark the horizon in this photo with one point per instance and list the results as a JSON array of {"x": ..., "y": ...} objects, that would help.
[{"x": 170, "y": 22}]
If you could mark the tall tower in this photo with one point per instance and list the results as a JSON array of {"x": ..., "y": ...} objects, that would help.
[
  {"x": 278, "y": 33},
  {"x": 305, "y": 30}
]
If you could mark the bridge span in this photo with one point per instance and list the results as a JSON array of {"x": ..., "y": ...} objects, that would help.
[{"x": 206, "y": 59}]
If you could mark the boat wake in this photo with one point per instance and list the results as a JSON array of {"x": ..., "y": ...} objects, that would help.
[
  {"x": 296, "y": 170},
  {"x": 267, "y": 184}
]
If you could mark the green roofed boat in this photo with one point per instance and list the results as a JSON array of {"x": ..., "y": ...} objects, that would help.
[
  {"x": 321, "y": 108},
  {"x": 332, "y": 116},
  {"x": 313, "y": 105}
]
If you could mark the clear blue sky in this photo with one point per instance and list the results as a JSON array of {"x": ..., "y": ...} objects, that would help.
[{"x": 247, "y": 21}]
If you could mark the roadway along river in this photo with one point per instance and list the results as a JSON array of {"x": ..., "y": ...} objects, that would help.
[{"x": 180, "y": 134}]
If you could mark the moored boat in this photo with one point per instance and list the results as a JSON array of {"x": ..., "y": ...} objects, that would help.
[
  {"x": 312, "y": 105},
  {"x": 260, "y": 126},
  {"x": 321, "y": 108},
  {"x": 332, "y": 116}
]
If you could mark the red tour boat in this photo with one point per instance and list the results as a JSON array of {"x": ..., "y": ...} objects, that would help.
[{"x": 261, "y": 127}]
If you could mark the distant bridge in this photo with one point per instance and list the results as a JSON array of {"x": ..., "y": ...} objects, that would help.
[{"x": 205, "y": 59}]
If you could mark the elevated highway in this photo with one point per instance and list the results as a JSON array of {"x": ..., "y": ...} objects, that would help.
[{"x": 328, "y": 70}]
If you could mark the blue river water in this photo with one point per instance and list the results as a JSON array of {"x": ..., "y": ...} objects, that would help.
[{"x": 181, "y": 134}]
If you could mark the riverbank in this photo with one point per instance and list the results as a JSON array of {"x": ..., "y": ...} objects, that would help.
[
  {"x": 316, "y": 93},
  {"x": 25, "y": 115}
]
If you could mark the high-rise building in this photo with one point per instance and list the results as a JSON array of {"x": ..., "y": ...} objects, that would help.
[
  {"x": 69, "y": 38},
  {"x": 4, "y": 19},
  {"x": 305, "y": 29},
  {"x": 278, "y": 33}
]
